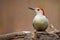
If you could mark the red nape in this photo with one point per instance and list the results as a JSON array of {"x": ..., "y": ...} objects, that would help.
[{"x": 43, "y": 11}]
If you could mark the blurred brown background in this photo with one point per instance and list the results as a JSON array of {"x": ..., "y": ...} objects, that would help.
[{"x": 15, "y": 15}]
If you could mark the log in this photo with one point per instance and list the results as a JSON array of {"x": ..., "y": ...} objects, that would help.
[
  {"x": 28, "y": 35},
  {"x": 11, "y": 36}
]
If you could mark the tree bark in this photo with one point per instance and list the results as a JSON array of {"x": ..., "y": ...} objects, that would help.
[{"x": 28, "y": 36}]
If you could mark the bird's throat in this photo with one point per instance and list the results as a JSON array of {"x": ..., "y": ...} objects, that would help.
[{"x": 40, "y": 14}]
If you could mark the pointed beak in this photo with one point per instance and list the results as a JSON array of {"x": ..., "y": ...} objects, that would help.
[{"x": 31, "y": 8}]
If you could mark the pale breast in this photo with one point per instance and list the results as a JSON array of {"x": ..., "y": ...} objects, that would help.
[{"x": 40, "y": 22}]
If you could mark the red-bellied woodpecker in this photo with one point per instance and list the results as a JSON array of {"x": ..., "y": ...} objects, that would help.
[{"x": 40, "y": 22}]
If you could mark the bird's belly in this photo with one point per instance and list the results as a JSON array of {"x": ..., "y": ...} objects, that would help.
[{"x": 40, "y": 24}]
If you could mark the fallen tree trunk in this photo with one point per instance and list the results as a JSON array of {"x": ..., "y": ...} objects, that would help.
[
  {"x": 31, "y": 36},
  {"x": 11, "y": 36}
]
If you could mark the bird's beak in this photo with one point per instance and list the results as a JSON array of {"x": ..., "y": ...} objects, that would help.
[{"x": 31, "y": 8}]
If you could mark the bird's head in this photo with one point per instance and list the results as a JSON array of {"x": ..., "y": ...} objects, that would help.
[{"x": 38, "y": 10}]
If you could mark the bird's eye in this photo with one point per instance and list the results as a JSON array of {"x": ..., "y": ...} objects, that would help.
[{"x": 38, "y": 9}]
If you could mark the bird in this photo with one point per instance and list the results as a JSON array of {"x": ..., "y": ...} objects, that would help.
[{"x": 40, "y": 21}]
